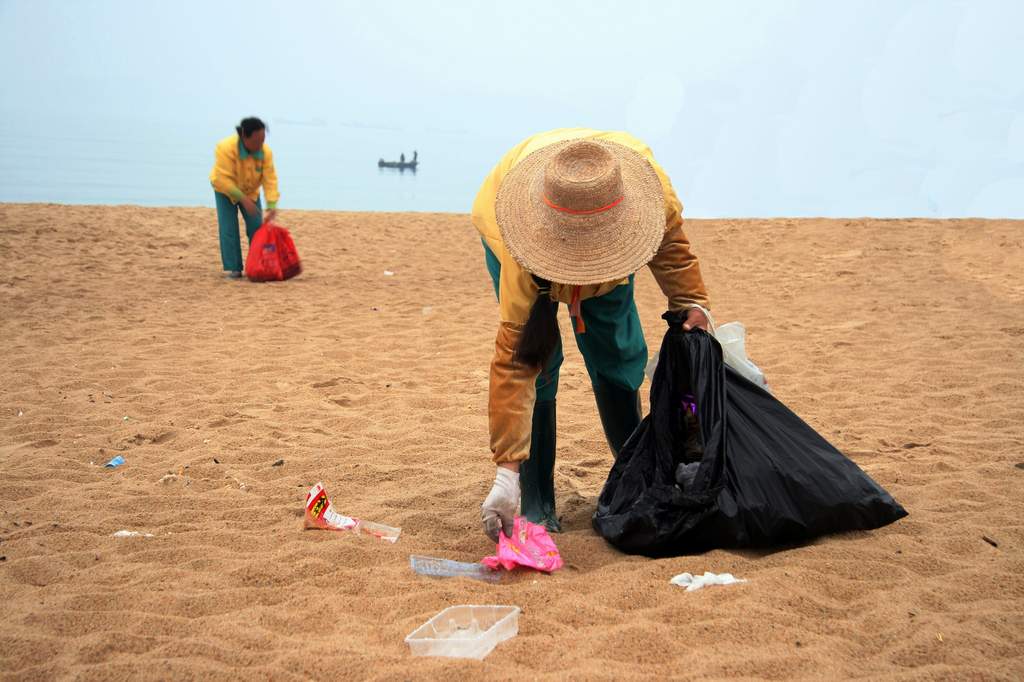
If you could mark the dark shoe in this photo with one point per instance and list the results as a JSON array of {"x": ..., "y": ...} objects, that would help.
[
  {"x": 537, "y": 474},
  {"x": 233, "y": 274},
  {"x": 620, "y": 414}
]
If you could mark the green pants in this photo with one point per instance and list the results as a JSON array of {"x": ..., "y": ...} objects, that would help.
[
  {"x": 227, "y": 225},
  {"x": 613, "y": 345}
]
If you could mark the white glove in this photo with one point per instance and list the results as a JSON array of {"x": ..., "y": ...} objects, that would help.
[{"x": 499, "y": 509}]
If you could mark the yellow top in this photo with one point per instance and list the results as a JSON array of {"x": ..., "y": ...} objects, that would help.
[{"x": 238, "y": 173}]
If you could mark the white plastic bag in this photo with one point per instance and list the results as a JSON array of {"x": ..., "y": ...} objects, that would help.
[
  {"x": 732, "y": 336},
  {"x": 696, "y": 582}
]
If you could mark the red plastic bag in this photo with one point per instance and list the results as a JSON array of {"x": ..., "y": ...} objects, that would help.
[{"x": 272, "y": 255}]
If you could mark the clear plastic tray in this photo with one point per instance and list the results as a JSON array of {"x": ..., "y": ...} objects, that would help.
[{"x": 465, "y": 631}]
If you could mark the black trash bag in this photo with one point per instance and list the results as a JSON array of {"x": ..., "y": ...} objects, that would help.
[{"x": 764, "y": 476}]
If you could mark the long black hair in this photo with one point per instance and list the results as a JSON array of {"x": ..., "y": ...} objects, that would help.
[
  {"x": 250, "y": 125},
  {"x": 540, "y": 335}
]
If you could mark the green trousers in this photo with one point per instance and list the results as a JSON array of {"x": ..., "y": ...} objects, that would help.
[
  {"x": 613, "y": 346},
  {"x": 615, "y": 353},
  {"x": 227, "y": 226}
]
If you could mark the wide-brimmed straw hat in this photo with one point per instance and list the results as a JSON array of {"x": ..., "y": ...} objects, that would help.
[{"x": 582, "y": 212}]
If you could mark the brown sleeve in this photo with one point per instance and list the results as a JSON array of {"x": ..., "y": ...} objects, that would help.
[
  {"x": 513, "y": 392},
  {"x": 678, "y": 272}
]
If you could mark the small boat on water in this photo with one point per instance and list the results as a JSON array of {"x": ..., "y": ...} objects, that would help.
[{"x": 402, "y": 165}]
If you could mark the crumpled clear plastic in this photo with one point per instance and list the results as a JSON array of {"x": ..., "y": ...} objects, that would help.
[{"x": 693, "y": 583}]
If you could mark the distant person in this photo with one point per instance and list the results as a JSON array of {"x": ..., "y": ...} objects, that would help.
[
  {"x": 569, "y": 216},
  {"x": 414, "y": 155},
  {"x": 401, "y": 157},
  {"x": 242, "y": 163}
]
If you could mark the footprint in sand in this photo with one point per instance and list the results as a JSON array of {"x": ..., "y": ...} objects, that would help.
[
  {"x": 142, "y": 439},
  {"x": 228, "y": 420}
]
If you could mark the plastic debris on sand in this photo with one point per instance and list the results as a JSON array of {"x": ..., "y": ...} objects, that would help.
[
  {"x": 320, "y": 514},
  {"x": 446, "y": 568},
  {"x": 693, "y": 583},
  {"x": 530, "y": 546},
  {"x": 131, "y": 534}
]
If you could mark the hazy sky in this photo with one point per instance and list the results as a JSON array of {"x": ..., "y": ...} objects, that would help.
[{"x": 764, "y": 107}]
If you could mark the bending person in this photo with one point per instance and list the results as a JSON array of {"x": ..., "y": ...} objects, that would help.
[
  {"x": 242, "y": 164},
  {"x": 569, "y": 216}
]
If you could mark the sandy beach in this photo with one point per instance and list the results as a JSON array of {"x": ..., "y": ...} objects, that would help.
[{"x": 901, "y": 341}]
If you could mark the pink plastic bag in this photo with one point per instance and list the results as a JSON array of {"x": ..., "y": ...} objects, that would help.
[{"x": 529, "y": 546}]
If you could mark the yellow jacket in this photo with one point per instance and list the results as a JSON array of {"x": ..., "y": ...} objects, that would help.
[
  {"x": 237, "y": 172},
  {"x": 512, "y": 390}
]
